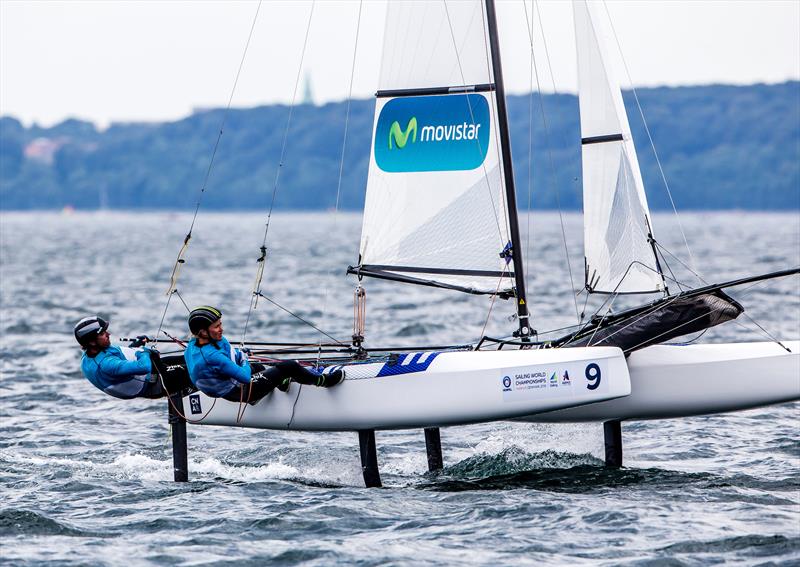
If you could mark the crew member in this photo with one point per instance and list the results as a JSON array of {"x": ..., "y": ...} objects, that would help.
[
  {"x": 222, "y": 371},
  {"x": 106, "y": 367}
]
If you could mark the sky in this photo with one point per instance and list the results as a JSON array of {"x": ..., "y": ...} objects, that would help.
[{"x": 149, "y": 60}]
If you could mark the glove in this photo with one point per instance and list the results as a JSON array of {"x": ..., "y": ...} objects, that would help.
[{"x": 138, "y": 341}]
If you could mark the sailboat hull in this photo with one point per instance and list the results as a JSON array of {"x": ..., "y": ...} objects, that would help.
[
  {"x": 669, "y": 381},
  {"x": 427, "y": 389}
]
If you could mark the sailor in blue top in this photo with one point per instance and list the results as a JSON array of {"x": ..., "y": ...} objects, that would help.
[
  {"x": 222, "y": 371},
  {"x": 106, "y": 367}
]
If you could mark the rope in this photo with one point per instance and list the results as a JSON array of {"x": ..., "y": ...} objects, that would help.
[
  {"x": 649, "y": 136},
  {"x": 655, "y": 308},
  {"x": 610, "y": 300},
  {"x": 745, "y": 292},
  {"x": 242, "y": 402},
  {"x": 180, "y": 260},
  {"x": 182, "y": 301},
  {"x": 341, "y": 161},
  {"x": 491, "y": 304},
  {"x": 529, "y": 283},
  {"x": 472, "y": 118},
  {"x": 359, "y": 313},
  {"x": 298, "y": 317},
  {"x": 547, "y": 138},
  {"x": 747, "y": 315},
  {"x": 262, "y": 259}
]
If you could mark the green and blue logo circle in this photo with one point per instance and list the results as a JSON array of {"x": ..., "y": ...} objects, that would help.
[{"x": 432, "y": 133}]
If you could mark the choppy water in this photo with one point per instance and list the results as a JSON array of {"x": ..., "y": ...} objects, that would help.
[{"x": 86, "y": 479}]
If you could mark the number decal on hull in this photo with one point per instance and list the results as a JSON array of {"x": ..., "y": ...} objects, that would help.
[{"x": 593, "y": 376}]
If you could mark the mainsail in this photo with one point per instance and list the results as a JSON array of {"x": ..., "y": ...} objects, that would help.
[
  {"x": 618, "y": 242},
  {"x": 436, "y": 212}
]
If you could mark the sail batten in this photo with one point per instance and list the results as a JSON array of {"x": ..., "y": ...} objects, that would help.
[
  {"x": 618, "y": 240},
  {"x": 484, "y": 87}
]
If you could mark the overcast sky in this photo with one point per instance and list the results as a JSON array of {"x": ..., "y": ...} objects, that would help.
[{"x": 151, "y": 60}]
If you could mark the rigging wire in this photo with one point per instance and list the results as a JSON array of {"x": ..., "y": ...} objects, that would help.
[
  {"x": 746, "y": 291},
  {"x": 491, "y": 305},
  {"x": 503, "y": 204},
  {"x": 650, "y": 138},
  {"x": 341, "y": 160},
  {"x": 178, "y": 293},
  {"x": 613, "y": 296},
  {"x": 179, "y": 261},
  {"x": 472, "y": 118},
  {"x": 666, "y": 303},
  {"x": 682, "y": 263},
  {"x": 549, "y": 150},
  {"x": 299, "y": 318},
  {"x": 262, "y": 260},
  {"x": 529, "y": 214}
]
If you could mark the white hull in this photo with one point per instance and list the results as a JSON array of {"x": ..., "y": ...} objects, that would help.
[
  {"x": 681, "y": 381},
  {"x": 433, "y": 389}
]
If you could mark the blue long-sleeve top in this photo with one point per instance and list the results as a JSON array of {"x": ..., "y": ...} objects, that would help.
[
  {"x": 117, "y": 376},
  {"x": 216, "y": 368}
]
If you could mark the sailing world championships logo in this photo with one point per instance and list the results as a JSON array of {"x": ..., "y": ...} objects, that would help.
[{"x": 432, "y": 133}]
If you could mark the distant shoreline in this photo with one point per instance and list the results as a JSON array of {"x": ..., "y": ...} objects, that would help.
[
  {"x": 721, "y": 147},
  {"x": 354, "y": 212}
]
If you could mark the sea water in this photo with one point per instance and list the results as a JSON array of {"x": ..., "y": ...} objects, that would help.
[{"x": 86, "y": 479}]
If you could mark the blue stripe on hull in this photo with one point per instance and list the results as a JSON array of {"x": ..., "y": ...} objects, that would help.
[{"x": 408, "y": 363}]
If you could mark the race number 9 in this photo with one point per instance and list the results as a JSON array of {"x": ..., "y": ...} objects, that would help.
[{"x": 593, "y": 376}]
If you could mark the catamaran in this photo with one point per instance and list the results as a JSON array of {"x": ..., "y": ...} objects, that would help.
[{"x": 441, "y": 211}]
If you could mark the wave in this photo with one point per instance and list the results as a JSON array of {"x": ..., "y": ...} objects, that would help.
[
  {"x": 28, "y": 523},
  {"x": 751, "y": 545}
]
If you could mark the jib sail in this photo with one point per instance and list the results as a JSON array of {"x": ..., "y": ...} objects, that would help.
[{"x": 617, "y": 229}]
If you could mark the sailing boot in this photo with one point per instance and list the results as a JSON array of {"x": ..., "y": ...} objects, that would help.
[
  {"x": 331, "y": 379},
  {"x": 283, "y": 384}
]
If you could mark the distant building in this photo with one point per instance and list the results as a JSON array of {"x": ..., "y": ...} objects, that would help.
[
  {"x": 43, "y": 150},
  {"x": 308, "y": 93}
]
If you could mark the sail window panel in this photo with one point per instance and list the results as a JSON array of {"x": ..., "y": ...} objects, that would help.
[
  {"x": 619, "y": 257},
  {"x": 441, "y": 220},
  {"x": 421, "y": 51}
]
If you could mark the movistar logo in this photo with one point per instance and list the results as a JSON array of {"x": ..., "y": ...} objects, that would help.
[
  {"x": 400, "y": 137},
  {"x": 432, "y": 133}
]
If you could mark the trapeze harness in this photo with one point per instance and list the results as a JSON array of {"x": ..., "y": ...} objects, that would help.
[{"x": 126, "y": 379}]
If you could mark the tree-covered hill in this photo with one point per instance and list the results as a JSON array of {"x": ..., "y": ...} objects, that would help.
[{"x": 720, "y": 147}]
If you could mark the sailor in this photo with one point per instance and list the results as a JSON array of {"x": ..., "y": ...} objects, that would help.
[
  {"x": 107, "y": 368},
  {"x": 222, "y": 371}
]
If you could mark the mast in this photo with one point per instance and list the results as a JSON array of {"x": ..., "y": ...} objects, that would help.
[{"x": 508, "y": 172}]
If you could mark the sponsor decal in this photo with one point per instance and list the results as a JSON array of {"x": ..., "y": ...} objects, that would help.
[
  {"x": 399, "y": 136},
  {"x": 545, "y": 382},
  {"x": 432, "y": 133},
  {"x": 530, "y": 381},
  {"x": 194, "y": 403}
]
